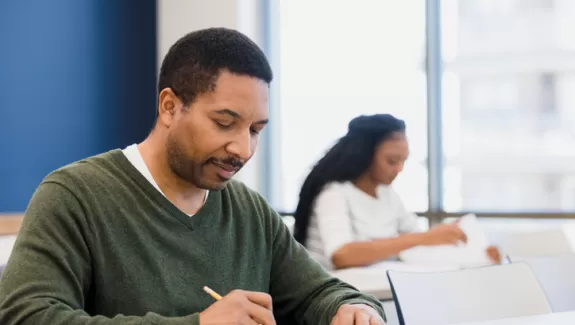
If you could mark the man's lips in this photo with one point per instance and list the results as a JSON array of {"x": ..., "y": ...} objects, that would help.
[
  {"x": 226, "y": 167},
  {"x": 224, "y": 170}
]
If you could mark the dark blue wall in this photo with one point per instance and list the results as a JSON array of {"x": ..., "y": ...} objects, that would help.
[{"x": 76, "y": 78}]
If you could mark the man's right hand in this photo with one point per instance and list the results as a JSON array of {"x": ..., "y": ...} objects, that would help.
[
  {"x": 447, "y": 234},
  {"x": 240, "y": 307}
]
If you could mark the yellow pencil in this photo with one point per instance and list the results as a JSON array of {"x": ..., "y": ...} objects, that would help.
[{"x": 212, "y": 293}]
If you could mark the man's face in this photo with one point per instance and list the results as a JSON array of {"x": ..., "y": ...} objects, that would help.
[{"x": 213, "y": 138}]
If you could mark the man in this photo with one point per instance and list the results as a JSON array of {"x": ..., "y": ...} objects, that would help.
[{"x": 131, "y": 237}]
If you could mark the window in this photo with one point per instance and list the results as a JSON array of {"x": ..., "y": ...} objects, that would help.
[
  {"x": 506, "y": 115},
  {"x": 488, "y": 93},
  {"x": 535, "y": 4},
  {"x": 340, "y": 59},
  {"x": 471, "y": 8},
  {"x": 514, "y": 142},
  {"x": 547, "y": 94}
]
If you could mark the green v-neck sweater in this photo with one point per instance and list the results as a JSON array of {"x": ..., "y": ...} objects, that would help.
[{"x": 99, "y": 245}]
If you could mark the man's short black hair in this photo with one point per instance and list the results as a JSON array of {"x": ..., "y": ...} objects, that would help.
[{"x": 195, "y": 61}]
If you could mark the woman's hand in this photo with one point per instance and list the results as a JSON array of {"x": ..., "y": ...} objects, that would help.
[{"x": 494, "y": 254}]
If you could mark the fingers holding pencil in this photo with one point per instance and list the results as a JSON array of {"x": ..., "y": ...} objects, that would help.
[
  {"x": 239, "y": 306},
  {"x": 212, "y": 293},
  {"x": 260, "y": 298}
]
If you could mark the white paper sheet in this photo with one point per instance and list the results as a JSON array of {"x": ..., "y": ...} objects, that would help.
[{"x": 471, "y": 254}]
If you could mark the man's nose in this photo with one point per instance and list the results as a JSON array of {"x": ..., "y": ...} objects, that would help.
[{"x": 241, "y": 147}]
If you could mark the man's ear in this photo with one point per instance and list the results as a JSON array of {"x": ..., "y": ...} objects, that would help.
[{"x": 168, "y": 102}]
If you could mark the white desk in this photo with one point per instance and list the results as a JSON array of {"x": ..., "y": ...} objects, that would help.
[
  {"x": 567, "y": 318},
  {"x": 373, "y": 279},
  {"x": 6, "y": 245}
]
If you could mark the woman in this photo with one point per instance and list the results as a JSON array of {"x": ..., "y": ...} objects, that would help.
[{"x": 348, "y": 214}]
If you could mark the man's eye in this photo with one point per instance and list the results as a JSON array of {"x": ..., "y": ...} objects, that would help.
[{"x": 223, "y": 125}]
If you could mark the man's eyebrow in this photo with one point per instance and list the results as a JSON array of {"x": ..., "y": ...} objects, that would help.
[{"x": 227, "y": 111}]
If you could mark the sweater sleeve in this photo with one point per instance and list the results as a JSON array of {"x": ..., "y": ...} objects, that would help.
[
  {"x": 47, "y": 278},
  {"x": 302, "y": 290}
]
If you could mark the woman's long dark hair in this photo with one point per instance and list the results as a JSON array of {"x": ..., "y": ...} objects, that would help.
[{"x": 348, "y": 159}]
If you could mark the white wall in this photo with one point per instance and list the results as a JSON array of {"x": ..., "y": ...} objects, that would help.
[{"x": 179, "y": 17}]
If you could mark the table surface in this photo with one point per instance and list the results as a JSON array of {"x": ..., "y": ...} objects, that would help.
[
  {"x": 6, "y": 244},
  {"x": 567, "y": 318},
  {"x": 373, "y": 279}
]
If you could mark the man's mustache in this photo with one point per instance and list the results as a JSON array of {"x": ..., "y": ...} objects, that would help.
[{"x": 230, "y": 161}]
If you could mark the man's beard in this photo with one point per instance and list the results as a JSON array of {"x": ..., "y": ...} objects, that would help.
[
  {"x": 188, "y": 168},
  {"x": 192, "y": 170}
]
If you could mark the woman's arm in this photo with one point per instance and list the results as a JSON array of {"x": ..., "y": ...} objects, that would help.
[
  {"x": 339, "y": 244},
  {"x": 356, "y": 254}
]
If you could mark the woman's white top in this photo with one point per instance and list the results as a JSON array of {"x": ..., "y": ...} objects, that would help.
[{"x": 342, "y": 214}]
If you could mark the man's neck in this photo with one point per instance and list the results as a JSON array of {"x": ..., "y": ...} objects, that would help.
[{"x": 185, "y": 196}]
